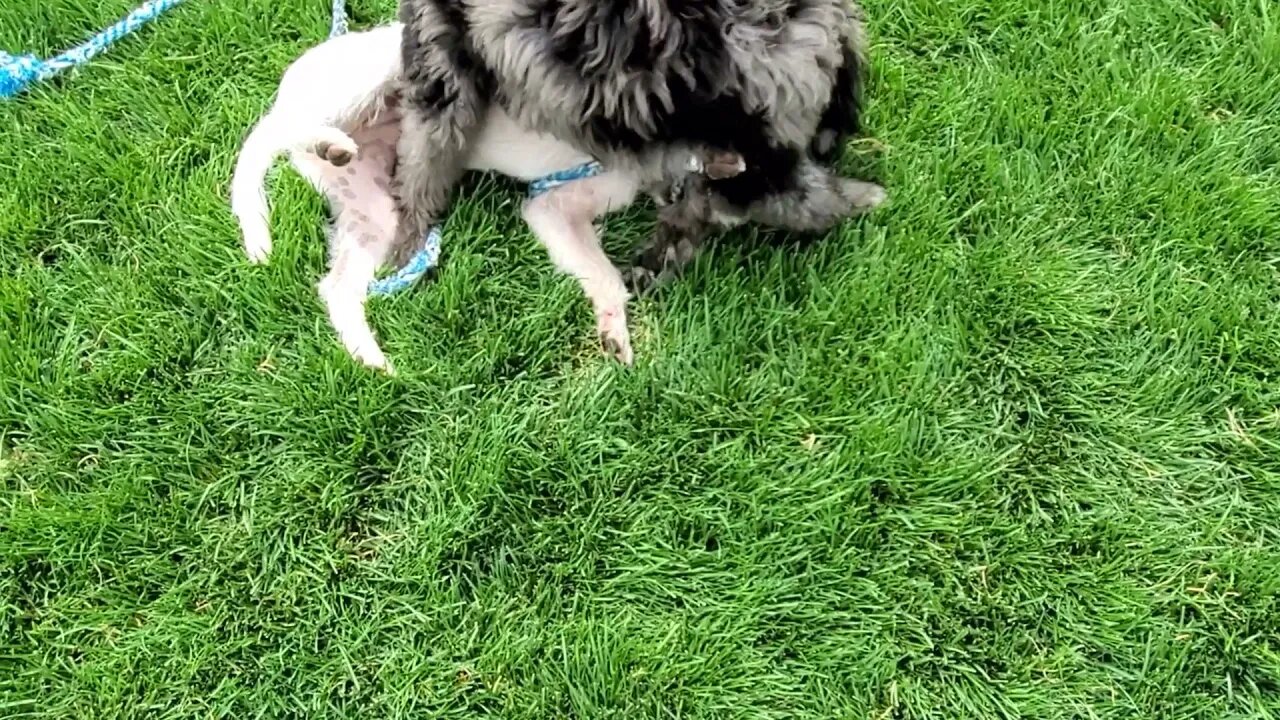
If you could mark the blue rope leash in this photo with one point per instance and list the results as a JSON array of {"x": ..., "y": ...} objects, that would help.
[
  {"x": 418, "y": 265},
  {"x": 338, "y": 19},
  {"x": 19, "y": 71}
]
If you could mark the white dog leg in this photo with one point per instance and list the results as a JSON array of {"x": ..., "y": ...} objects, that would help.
[{"x": 562, "y": 221}]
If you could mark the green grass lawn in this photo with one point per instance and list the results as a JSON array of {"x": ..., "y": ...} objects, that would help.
[{"x": 1009, "y": 447}]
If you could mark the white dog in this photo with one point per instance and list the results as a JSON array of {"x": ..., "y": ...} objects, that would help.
[{"x": 337, "y": 114}]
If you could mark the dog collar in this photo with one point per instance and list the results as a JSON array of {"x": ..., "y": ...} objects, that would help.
[{"x": 550, "y": 182}]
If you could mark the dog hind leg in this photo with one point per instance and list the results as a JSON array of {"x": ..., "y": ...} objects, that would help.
[
  {"x": 344, "y": 291},
  {"x": 819, "y": 201},
  {"x": 364, "y": 223}
]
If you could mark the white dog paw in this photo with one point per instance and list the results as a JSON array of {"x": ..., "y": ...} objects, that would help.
[
  {"x": 371, "y": 356},
  {"x": 864, "y": 196},
  {"x": 615, "y": 338},
  {"x": 258, "y": 249},
  {"x": 338, "y": 153}
]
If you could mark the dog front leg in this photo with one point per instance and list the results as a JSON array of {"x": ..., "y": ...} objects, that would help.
[
  {"x": 819, "y": 201},
  {"x": 685, "y": 218},
  {"x": 428, "y": 167},
  {"x": 444, "y": 105},
  {"x": 682, "y": 229},
  {"x": 562, "y": 221}
]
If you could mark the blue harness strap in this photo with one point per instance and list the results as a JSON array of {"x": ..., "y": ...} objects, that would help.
[
  {"x": 427, "y": 257},
  {"x": 550, "y": 182}
]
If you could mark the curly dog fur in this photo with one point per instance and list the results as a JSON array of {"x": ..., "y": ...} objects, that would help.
[{"x": 641, "y": 84}]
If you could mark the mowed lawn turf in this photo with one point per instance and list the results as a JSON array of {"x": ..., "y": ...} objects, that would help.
[{"x": 1010, "y": 447}]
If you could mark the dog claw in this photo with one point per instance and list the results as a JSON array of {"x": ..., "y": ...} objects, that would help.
[
  {"x": 369, "y": 355},
  {"x": 717, "y": 164},
  {"x": 375, "y": 360},
  {"x": 258, "y": 251},
  {"x": 613, "y": 349},
  {"x": 639, "y": 280},
  {"x": 614, "y": 337},
  {"x": 662, "y": 261},
  {"x": 864, "y": 196}
]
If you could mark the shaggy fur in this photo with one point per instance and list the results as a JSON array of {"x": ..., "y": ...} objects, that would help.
[
  {"x": 637, "y": 83},
  {"x": 337, "y": 114}
]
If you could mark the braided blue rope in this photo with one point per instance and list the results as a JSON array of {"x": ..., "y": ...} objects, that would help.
[
  {"x": 19, "y": 71},
  {"x": 418, "y": 265},
  {"x": 338, "y": 19}
]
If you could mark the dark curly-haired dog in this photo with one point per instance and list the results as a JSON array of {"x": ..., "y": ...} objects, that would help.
[{"x": 641, "y": 84}]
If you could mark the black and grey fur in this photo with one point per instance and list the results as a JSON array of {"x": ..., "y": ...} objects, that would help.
[{"x": 642, "y": 83}]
